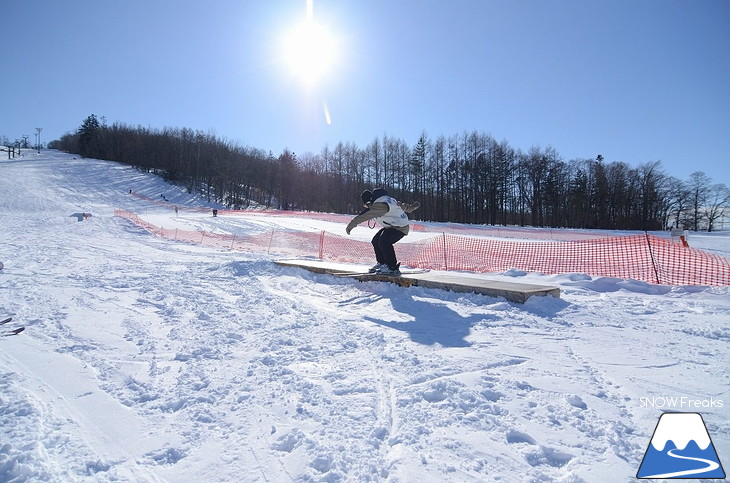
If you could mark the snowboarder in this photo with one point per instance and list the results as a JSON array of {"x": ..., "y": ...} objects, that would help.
[{"x": 394, "y": 215}]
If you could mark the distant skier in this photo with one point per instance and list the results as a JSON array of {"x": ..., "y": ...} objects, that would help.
[{"x": 391, "y": 213}]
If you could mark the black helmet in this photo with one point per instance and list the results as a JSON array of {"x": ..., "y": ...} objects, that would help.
[
  {"x": 366, "y": 197},
  {"x": 378, "y": 192}
]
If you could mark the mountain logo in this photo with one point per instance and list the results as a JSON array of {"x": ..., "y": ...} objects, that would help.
[{"x": 680, "y": 448}]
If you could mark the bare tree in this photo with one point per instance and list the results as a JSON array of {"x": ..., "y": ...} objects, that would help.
[
  {"x": 679, "y": 193},
  {"x": 698, "y": 184},
  {"x": 716, "y": 204}
]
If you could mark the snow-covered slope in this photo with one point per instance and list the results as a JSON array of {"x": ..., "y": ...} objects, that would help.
[{"x": 150, "y": 360}]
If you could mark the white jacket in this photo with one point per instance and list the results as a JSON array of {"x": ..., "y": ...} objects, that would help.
[{"x": 395, "y": 215}]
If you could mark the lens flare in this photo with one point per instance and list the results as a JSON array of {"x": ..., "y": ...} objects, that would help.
[{"x": 327, "y": 117}]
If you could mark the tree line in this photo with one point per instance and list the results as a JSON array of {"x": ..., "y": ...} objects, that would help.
[{"x": 464, "y": 178}]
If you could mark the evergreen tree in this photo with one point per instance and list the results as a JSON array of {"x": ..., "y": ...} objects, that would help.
[{"x": 88, "y": 136}]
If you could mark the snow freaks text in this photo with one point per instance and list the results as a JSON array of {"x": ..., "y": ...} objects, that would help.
[{"x": 679, "y": 402}]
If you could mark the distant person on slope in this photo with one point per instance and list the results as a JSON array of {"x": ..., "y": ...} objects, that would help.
[{"x": 391, "y": 213}]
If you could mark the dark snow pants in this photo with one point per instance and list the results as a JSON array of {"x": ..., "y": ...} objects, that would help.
[{"x": 383, "y": 242}]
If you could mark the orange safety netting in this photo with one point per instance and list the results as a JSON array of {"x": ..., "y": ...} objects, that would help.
[{"x": 643, "y": 257}]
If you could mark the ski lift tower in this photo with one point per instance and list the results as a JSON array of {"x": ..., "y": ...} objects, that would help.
[{"x": 38, "y": 138}]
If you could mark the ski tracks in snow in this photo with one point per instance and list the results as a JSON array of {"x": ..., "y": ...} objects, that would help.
[
  {"x": 149, "y": 360},
  {"x": 403, "y": 397}
]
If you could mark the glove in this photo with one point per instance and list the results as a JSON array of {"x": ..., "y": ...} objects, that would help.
[{"x": 410, "y": 208}]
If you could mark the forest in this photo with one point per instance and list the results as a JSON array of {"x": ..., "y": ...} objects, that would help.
[{"x": 463, "y": 178}]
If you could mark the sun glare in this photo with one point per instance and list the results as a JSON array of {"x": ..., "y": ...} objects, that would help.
[{"x": 310, "y": 49}]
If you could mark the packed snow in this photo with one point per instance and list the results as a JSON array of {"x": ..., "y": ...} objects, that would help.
[{"x": 150, "y": 360}]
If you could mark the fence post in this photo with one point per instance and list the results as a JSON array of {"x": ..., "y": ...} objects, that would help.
[
  {"x": 651, "y": 253},
  {"x": 321, "y": 244},
  {"x": 233, "y": 241},
  {"x": 446, "y": 259}
]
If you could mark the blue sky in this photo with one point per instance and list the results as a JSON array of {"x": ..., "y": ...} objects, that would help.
[{"x": 635, "y": 81}]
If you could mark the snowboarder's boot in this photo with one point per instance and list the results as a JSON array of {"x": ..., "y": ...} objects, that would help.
[
  {"x": 376, "y": 268},
  {"x": 390, "y": 270}
]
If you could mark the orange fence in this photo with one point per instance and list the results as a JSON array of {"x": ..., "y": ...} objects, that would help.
[{"x": 641, "y": 257}]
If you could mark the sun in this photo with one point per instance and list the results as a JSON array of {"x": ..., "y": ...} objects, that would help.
[{"x": 310, "y": 50}]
